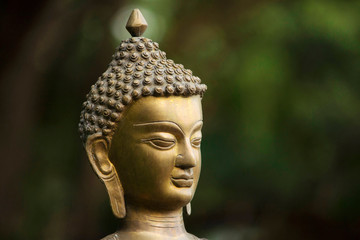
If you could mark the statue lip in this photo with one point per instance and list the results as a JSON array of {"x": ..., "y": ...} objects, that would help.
[
  {"x": 182, "y": 183},
  {"x": 183, "y": 180},
  {"x": 185, "y": 176}
]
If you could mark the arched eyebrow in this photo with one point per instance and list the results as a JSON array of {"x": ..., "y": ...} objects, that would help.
[
  {"x": 197, "y": 125},
  {"x": 169, "y": 124}
]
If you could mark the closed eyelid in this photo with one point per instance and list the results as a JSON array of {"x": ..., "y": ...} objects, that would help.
[
  {"x": 160, "y": 143},
  {"x": 158, "y": 138},
  {"x": 196, "y": 139},
  {"x": 158, "y": 135},
  {"x": 196, "y": 142}
]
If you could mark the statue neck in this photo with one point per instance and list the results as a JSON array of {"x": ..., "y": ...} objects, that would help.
[{"x": 166, "y": 223}]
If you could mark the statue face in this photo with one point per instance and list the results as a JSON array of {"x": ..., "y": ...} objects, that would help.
[{"x": 156, "y": 151}]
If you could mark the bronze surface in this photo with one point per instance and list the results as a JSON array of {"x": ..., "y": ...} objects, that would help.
[
  {"x": 136, "y": 24},
  {"x": 141, "y": 127}
]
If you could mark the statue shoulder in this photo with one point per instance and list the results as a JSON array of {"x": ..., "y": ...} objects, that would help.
[
  {"x": 113, "y": 236},
  {"x": 117, "y": 236},
  {"x": 195, "y": 237}
]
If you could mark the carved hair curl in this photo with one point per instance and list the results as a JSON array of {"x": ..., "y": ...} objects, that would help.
[{"x": 138, "y": 69}]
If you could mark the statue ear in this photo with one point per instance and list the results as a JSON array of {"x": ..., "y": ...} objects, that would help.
[
  {"x": 188, "y": 209},
  {"x": 97, "y": 149}
]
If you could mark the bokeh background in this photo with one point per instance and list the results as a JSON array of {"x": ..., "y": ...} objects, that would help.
[{"x": 282, "y": 114}]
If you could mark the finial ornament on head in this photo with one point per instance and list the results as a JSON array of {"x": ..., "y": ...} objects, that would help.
[{"x": 136, "y": 25}]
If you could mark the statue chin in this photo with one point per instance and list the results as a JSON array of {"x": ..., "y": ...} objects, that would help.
[{"x": 141, "y": 125}]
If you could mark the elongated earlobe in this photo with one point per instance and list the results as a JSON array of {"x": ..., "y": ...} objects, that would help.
[
  {"x": 97, "y": 150},
  {"x": 116, "y": 195},
  {"x": 188, "y": 209}
]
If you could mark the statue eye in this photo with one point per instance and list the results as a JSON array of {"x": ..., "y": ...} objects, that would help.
[
  {"x": 163, "y": 144},
  {"x": 196, "y": 142}
]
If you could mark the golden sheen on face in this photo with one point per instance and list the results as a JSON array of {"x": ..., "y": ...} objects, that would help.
[{"x": 156, "y": 151}]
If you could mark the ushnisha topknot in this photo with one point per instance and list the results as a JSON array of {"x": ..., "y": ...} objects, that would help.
[{"x": 138, "y": 69}]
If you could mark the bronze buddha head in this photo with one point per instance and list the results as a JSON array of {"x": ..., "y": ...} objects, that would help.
[{"x": 141, "y": 127}]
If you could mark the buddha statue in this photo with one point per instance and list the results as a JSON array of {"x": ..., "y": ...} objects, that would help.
[{"x": 141, "y": 128}]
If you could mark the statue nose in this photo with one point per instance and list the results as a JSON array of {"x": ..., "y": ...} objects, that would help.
[{"x": 185, "y": 161}]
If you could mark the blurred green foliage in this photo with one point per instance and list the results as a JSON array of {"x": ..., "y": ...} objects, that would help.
[{"x": 282, "y": 132}]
